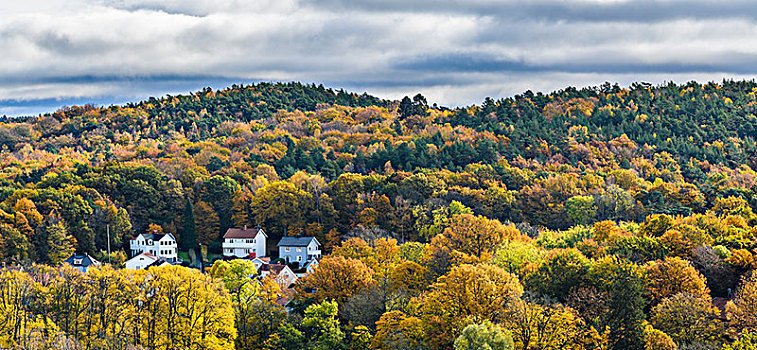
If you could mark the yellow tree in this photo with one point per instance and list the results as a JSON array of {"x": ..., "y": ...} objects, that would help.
[
  {"x": 253, "y": 301},
  {"x": 187, "y": 309},
  {"x": 338, "y": 278},
  {"x": 240, "y": 208},
  {"x": 357, "y": 248},
  {"x": 396, "y": 330},
  {"x": 280, "y": 205},
  {"x": 742, "y": 310},
  {"x": 655, "y": 339},
  {"x": 550, "y": 327},
  {"x": 474, "y": 292},
  {"x": 29, "y": 210},
  {"x": 671, "y": 276},
  {"x": 409, "y": 276},
  {"x": 477, "y": 235},
  {"x": 207, "y": 224},
  {"x": 17, "y": 319},
  {"x": 106, "y": 295},
  {"x": 687, "y": 318}
]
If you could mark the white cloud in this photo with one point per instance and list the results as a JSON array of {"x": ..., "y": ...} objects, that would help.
[{"x": 454, "y": 54}]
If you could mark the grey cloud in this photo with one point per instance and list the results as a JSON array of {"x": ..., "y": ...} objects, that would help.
[
  {"x": 636, "y": 11},
  {"x": 58, "y": 43},
  {"x": 455, "y": 52},
  {"x": 483, "y": 62}
]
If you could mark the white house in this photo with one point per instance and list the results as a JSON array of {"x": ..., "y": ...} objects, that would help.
[
  {"x": 144, "y": 261},
  {"x": 161, "y": 245},
  {"x": 244, "y": 243},
  {"x": 282, "y": 274},
  {"x": 299, "y": 249},
  {"x": 260, "y": 261}
]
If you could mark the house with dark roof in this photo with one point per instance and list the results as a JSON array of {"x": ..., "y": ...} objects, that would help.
[
  {"x": 244, "y": 243},
  {"x": 161, "y": 245},
  {"x": 81, "y": 262},
  {"x": 299, "y": 249}
]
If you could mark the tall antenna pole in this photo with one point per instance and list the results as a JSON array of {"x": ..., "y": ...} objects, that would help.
[{"x": 108, "y": 228}]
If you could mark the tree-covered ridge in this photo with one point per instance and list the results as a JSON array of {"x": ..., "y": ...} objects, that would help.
[
  {"x": 710, "y": 122},
  {"x": 538, "y": 221}
]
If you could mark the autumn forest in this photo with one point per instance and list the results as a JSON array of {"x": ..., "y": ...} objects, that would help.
[{"x": 607, "y": 217}]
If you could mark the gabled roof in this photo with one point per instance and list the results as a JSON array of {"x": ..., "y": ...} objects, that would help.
[
  {"x": 159, "y": 262},
  {"x": 285, "y": 296},
  {"x": 155, "y": 236},
  {"x": 310, "y": 262},
  {"x": 274, "y": 269},
  {"x": 153, "y": 260},
  {"x": 243, "y": 233},
  {"x": 297, "y": 241},
  {"x": 81, "y": 260},
  {"x": 146, "y": 255}
]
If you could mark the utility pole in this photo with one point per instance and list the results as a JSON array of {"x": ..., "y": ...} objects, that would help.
[{"x": 108, "y": 230}]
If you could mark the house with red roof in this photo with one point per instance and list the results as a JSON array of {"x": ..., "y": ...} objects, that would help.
[{"x": 244, "y": 243}]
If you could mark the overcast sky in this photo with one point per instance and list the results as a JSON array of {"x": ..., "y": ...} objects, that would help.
[{"x": 455, "y": 52}]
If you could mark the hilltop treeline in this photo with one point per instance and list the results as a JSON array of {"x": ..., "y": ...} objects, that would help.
[{"x": 607, "y": 182}]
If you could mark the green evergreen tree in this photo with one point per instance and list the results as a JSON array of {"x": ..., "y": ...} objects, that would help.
[{"x": 189, "y": 236}]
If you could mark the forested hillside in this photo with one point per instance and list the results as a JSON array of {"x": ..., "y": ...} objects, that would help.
[{"x": 601, "y": 218}]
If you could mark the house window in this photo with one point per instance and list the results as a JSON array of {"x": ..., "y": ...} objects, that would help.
[
  {"x": 286, "y": 249},
  {"x": 299, "y": 249},
  {"x": 299, "y": 257}
]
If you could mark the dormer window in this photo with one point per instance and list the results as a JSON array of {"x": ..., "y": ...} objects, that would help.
[{"x": 77, "y": 261}]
